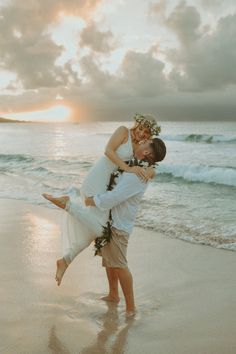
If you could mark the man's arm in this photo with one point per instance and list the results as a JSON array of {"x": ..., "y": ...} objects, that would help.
[{"x": 128, "y": 186}]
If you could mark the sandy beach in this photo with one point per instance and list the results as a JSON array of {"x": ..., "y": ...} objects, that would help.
[{"x": 185, "y": 293}]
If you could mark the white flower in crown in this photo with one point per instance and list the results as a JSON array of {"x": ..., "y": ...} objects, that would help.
[{"x": 149, "y": 123}]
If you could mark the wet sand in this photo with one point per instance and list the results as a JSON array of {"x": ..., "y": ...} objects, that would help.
[{"x": 185, "y": 293}]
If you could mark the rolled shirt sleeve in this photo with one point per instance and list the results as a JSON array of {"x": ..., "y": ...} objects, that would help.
[{"x": 128, "y": 186}]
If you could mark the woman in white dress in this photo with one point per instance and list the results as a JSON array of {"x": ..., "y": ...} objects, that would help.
[{"x": 81, "y": 224}]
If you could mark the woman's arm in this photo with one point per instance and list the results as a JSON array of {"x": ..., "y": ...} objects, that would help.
[{"x": 119, "y": 137}]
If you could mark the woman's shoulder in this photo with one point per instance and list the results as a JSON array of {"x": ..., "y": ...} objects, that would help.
[{"x": 123, "y": 132}]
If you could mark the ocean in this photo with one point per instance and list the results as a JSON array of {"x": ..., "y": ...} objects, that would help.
[{"x": 192, "y": 197}]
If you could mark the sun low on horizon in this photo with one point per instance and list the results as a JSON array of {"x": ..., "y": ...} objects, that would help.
[{"x": 55, "y": 114}]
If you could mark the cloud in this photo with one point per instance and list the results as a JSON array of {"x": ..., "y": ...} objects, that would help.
[
  {"x": 25, "y": 42},
  {"x": 211, "y": 3},
  {"x": 209, "y": 62},
  {"x": 140, "y": 74},
  {"x": 184, "y": 21},
  {"x": 98, "y": 41},
  {"x": 34, "y": 62},
  {"x": 217, "y": 4},
  {"x": 143, "y": 74},
  {"x": 200, "y": 82},
  {"x": 203, "y": 60}
]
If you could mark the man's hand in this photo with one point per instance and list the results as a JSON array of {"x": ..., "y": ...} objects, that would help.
[{"x": 89, "y": 201}]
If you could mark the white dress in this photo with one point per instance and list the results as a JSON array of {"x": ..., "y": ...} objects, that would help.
[{"x": 81, "y": 224}]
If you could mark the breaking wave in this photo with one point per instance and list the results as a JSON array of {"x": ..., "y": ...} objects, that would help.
[
  {"x": 200, "y": 173},
  {"x": 202, "y": 138}
]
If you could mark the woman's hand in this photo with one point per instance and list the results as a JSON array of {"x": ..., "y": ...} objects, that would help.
[
  {"x": 143, "y": 173},
  {"x": 139, "y": 171},
  {"x": 150, "y": 173}
]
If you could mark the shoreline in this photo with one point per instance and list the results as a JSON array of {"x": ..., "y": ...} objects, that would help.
[{"x": 184, "y": 292}]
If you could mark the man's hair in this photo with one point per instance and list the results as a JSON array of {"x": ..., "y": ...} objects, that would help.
[{"x": 159, "y": 149}]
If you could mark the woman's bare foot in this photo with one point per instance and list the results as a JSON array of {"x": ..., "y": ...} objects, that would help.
[
  {"x": 60, "y": 202},
  {"x": 110, "y": 298},
  {"x": 61, "y": 268}
]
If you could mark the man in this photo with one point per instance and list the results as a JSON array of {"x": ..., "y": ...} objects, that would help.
[{"x": 123, "y": 201}]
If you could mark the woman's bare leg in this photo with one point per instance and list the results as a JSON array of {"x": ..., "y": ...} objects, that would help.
[
  {"x": 112, "y": 277},
  {"x": 60, "y": 201}
]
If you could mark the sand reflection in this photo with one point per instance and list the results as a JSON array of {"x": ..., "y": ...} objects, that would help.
[
  {"x": 54, "y": 343},
  {"x": 111, "y": 339},
  {"x": 38, "y": 242}
]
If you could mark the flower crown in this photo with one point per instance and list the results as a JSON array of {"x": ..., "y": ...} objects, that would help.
[{"x": 149, "y": 123}]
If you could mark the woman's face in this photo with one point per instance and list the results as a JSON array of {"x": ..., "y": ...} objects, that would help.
[{"x": 142, "y": 133}]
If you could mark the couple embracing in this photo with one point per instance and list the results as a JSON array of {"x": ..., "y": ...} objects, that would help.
[{"x": 107, "y": 216}]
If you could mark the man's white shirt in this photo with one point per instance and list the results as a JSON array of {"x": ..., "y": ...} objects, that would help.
[{"x": 124, "y": 201}]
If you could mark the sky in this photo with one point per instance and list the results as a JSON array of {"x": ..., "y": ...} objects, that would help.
[{"x": 108, "y": 59}]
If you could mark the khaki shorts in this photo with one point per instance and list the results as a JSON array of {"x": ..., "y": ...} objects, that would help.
[{"x": 114, "y": 253}]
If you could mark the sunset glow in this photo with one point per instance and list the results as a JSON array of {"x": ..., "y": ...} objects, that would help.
[{"x": 54, "y": 114}]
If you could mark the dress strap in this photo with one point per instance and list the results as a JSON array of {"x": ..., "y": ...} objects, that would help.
[
  {"x": 130, "y": 142},
  {"x": 129, "y": 138}
]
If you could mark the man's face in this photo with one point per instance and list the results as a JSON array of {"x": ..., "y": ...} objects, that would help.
[{"x": 145, "y": 152}]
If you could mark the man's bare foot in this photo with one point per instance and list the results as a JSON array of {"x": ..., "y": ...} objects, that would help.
[
  {"x": 110, "y": 298},
  {"x": 130, "y": 314},
  {"x": 60, "y": 202},
  {"x": 61, "y": 268}
]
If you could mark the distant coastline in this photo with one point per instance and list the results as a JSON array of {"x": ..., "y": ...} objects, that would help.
[{"x": 5, "y": 120}]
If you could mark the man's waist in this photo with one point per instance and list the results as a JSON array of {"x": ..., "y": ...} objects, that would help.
[
  {"x": 119, "y": 231},
  {"x": 121, "y": 227}
]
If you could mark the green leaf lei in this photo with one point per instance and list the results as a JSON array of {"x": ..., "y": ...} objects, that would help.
[{"x": 106, "y": 235}]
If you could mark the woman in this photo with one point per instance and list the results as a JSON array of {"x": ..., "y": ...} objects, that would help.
[{"x": 81, "y": 227}]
